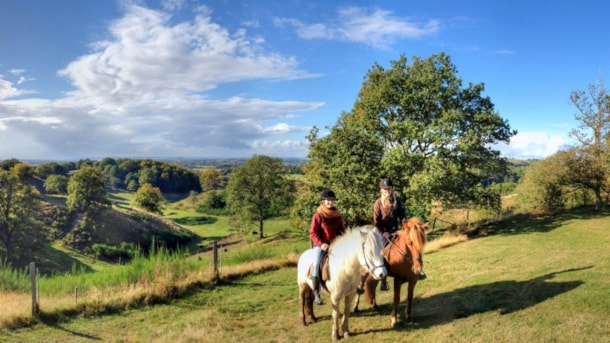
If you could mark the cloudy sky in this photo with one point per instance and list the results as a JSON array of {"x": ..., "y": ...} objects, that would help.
[{"x": 193, "y": 78}]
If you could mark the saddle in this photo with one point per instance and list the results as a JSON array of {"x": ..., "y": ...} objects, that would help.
[{"x": 324, "y": 269}]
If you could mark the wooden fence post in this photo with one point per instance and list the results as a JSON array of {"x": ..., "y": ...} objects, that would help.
[{"x": 33, "y": 283}]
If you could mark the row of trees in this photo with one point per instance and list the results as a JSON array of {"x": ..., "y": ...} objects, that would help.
[{"x": 128, "y": 174}]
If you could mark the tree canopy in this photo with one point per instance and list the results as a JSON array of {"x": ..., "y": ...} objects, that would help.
[
  {"x": 258, "y": 190},
  {"x": 149, "y": 198},
  {"x": 417, "y": 125},
  {"x": 86, "y": 190},
  {"x": 590, "y": 159},
  {"x": 20, "y": 225}
]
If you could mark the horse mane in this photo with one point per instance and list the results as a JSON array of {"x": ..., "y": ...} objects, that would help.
[
  {"x": 416, "y": 230},
  {"x": 343, "y": 244}
]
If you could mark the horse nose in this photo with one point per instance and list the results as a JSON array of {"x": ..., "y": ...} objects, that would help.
[{"x": 382, "y": 273}]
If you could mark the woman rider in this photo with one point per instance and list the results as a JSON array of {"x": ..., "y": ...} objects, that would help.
[
  {"x": 326, "y": 225},
  {"x": 388, "y": 213}
]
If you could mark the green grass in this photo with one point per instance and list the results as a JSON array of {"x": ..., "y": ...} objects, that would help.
[{"x": 526, "y": 279}]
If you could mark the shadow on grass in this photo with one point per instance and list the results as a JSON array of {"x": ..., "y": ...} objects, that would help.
[
  {"x": 52, "y": 322},
  {"x": 503, "y": 296},
  {"x": 520, "y": 223},
  {"x": 195, "y": 220},
  {"x": 223, "y": 242},
  {"x": 53, "y": 261}
]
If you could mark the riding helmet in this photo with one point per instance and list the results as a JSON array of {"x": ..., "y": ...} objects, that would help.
[
  {"x": 327, "y": 194},
  {"x": 385, "y": 183}
]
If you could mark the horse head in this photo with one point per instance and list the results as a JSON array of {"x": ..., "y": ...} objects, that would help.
[
  {"x": 414, "y": 231},
  {"x": 371, "y": 256}
]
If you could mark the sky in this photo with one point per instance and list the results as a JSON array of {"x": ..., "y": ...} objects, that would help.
[{"x": 233, "y": 79}]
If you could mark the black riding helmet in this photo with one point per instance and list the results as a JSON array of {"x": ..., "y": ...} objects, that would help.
[
  {"x": 327, "y": 194},
  {"x": 386, "y": 183}
]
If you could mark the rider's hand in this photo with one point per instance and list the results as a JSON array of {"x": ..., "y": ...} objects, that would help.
[
  {"x": 386, "y": 235},
  {"x": 324, "y": 246}
]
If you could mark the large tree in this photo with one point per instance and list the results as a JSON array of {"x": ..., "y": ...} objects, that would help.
[
  {"x": 591, "y": 157},
  {"x": 20, "y": 225},
  {"x": 419, "y": 126},
  {"x": 86, "y": 190},
  {"x": 257, "y": 191}
]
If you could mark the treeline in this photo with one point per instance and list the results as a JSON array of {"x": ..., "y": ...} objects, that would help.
[{"x": 128, "y": 174}]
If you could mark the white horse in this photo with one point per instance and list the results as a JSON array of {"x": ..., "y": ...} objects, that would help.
[{"x": 356, "y": 251}]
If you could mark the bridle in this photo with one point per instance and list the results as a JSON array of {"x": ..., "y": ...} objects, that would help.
[
  {"x": 409, "y": 257},
  {"x": 370, "y": 266}
]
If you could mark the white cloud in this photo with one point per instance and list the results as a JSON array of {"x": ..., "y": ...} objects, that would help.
[
  {"x": 376, "y": 27},
  {"x": 532, "y": 145},
  {"x": 143, "y": 92},
  {"x": 7, "y": 90}
]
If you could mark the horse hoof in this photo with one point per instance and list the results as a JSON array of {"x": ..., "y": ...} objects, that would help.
[{"x": 346, "y": 335}]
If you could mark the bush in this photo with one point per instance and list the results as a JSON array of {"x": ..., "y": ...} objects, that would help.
[{"x": 116, "y": 253}]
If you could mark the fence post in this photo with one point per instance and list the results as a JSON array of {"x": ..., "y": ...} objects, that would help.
[
  {"x": 33, "y": 283},
  {"x": 216, "y": 273}
]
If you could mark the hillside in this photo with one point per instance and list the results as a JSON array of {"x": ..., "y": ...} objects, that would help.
[{"x": 112, "y": 227}]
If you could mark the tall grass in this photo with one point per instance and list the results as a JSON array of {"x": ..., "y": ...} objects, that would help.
[
  {"x": 13, "y": 279},
  {"x": 142, "y": 269}
]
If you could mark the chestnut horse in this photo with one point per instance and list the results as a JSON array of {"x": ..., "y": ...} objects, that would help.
[
  {"x": 403, "y": 257},
  {"x": 357, "y": 250}
]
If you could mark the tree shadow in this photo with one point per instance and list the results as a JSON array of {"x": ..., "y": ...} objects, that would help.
[
  {"x": 51, "y": 321},
  {"x": 520, "y": 223},
  {"x": 54, "y": 261},
  {"x": 503, "y": 296}
]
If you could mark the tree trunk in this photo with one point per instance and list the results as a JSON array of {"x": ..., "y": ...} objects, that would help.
[{"x": 260, "y": 228}]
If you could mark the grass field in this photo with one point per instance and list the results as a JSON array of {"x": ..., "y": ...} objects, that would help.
[{"x": 525, "y": 279}]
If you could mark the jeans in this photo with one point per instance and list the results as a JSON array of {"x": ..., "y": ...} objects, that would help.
[{"x": 315, "y": 267}]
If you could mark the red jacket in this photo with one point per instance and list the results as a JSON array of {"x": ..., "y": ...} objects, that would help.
[{"x": 324, "y": 229}]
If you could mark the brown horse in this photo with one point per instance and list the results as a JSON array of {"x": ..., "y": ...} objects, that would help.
[{"x": 403, "y": 258}]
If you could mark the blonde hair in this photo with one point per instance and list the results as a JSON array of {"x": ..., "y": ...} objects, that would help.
[{"x": 388, "y": 200}]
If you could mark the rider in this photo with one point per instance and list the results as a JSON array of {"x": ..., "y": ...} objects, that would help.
[
  {"x": 326, "y": 225},
  {"x": 388, "y": 214}
]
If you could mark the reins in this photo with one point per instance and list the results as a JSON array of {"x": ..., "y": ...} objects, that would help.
[{"x": 404, "y": 254}]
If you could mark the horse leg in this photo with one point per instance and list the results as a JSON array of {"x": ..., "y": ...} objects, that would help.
[
  {"x": 335, "y": 318},
  {"x": 356, "y": 302},
  {"x": 395, "y": 302},
  {"x": 411, "y": 288},
  {"x": 370, "y": 292},
  {"x": 306, "y": 297},
  {"x": 345, "y": 320}
]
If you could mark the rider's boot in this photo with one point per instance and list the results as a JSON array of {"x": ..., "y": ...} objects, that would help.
[
  {"x": 316, "y": 290},
  {"x": 384, "y": 285}
]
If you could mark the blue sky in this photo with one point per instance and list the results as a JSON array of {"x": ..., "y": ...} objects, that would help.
[{"x": 188, "y": 78}]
